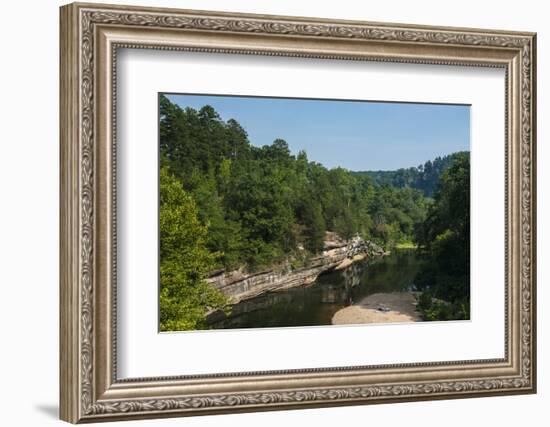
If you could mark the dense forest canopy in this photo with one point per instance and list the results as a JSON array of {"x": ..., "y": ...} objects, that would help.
[
  {"x": 445, "y": 240},
  {"x": 252, "y": 207},
  {"x": 262, "y": 204},
  {"x": 424, "y": 177}
]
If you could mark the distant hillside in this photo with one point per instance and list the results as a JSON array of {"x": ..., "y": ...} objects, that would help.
[{"x": 423, "y": 177}]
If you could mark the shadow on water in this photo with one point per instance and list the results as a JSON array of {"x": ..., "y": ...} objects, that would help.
[{"x": 316, "y": 304}]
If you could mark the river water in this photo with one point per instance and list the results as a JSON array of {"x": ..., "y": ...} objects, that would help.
[{"x": 316, "y": 304}]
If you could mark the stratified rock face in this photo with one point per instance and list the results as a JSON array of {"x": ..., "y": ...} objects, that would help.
[{"x": 337, "y": 253}]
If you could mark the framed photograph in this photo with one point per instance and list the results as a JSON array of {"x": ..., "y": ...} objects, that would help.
[{"x": 266, "y": 212}]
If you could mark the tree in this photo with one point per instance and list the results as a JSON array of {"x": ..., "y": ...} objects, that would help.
[
  {"x": 234, "y": 205},
  {"x": 263, "y": 204},
  {"x": 423, "y": 177},
  {"x": 314, "y": 224},
  {"x": 445, "y": 238},
  {"x": 185, "y": 296}
]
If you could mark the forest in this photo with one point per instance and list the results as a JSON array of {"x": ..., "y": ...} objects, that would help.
[
  {"x": 424, "y": 177},
  {"x": 226, "y": 204}
]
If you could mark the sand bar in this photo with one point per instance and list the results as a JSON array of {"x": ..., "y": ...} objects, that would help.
[{"x": 397, "y": 307}]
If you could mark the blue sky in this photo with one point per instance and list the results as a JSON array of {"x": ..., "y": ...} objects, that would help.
[{"x": 354, "y": 135}]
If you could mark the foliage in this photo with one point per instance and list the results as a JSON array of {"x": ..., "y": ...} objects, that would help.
[
  {"x": 227, "y": 204},
  {"x": 424, "y": 177},
  {"x": 264, "y": 205},
  {"x": 445, "y": 239},
  {"x": 436, "y": 309},
  {"x": 185, "y": 297}
]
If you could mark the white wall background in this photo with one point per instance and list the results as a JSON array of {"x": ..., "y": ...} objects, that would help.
[{"x": 29, "y": 170}]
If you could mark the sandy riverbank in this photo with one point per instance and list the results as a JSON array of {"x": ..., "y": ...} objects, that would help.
[{"x": 394, "y": 307}]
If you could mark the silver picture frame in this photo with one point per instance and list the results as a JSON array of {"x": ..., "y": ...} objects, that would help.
[{"x": 90, "y": 37}]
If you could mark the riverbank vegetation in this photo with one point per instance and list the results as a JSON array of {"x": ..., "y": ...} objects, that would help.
[
  {"x": 185, "y": 260},
  {"x": 226, "y": 204},
  {"x": 444, "y": 239}
]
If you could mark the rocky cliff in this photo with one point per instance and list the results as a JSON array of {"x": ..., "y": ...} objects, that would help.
[{"x": 337, "y": 254}]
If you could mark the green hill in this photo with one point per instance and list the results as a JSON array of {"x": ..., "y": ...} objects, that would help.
[{"x": 423, "y": 177}]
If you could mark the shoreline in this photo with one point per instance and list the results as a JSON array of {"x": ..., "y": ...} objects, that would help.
[
  {"x": 338, "y": 254},
  {"x": 395, "y": 307}
]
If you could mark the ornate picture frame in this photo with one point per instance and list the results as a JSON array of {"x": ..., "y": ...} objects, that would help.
[{"x": 90, "y": 37}]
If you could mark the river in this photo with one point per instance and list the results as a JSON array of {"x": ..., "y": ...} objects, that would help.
[{"x": 316, "y": 304}]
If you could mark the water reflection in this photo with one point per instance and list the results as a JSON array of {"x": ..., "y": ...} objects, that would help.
[{"x": 317, "y": 303}]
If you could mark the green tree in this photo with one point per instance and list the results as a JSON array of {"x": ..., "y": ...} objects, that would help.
[
  {"x": 263, "y": 204},
  {"x": 423, "y": 177},
  {"x": 445, "y": 238},
  {"x": 233, "y": 205},
  {"x": 185, "y": 296},
  {"x": 314, "y": 227}
]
